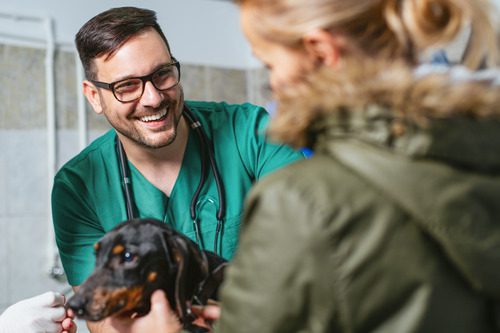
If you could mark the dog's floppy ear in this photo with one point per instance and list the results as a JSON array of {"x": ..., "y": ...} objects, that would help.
[
  {"x": 192, "y": 269},
  {"x": 217, "y": 266},
  {"x": 166, "y": 251}
]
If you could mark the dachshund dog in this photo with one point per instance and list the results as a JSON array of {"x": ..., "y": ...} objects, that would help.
[{"x": 140, "y": 256}]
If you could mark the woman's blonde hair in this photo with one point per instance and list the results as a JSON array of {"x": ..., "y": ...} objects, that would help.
[
  {"x": 393, "y": 86},
  {"x": 384, "y": 39},
  {"x": 401, "y": 29}
]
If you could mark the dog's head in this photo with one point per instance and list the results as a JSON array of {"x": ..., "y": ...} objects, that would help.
[{"x": 134, "y": 259}]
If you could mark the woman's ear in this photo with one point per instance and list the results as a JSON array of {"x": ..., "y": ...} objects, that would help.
[
  {"x": 323, "y": 46},
  {"x": 93, "y": 96}
]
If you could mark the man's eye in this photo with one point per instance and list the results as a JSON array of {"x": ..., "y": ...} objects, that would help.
[
  {"x": 126, "y": 86},
  {"x": 164, "y": 72}
]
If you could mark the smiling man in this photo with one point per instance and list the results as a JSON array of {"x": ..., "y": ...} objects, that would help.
[{"x": 187, "y": 163}]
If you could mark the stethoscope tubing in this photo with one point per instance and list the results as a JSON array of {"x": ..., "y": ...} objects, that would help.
[
  {"x": 196, "y": 125},
  {"x": 127, "y": 181}
]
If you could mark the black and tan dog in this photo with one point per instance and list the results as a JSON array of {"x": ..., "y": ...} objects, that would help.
[{"x": 140, "y": 256}]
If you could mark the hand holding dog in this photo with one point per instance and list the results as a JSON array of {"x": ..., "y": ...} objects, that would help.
[
  {"x": 43, "y": 313},
  {"x": 207, "y": 314},
  {"x": 162, "y": 318}
]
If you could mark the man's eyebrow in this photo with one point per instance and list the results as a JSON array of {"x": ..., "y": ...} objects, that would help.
[{"x": 133, "y": 76}]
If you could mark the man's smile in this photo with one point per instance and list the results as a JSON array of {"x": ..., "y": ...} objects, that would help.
[{"x": 155, "y": 117}]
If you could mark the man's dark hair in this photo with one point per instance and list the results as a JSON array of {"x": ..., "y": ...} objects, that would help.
[{"x": 109, "y": 30}]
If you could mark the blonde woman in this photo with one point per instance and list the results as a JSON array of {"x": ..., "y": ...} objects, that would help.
[{"x": 393, "y": 225}]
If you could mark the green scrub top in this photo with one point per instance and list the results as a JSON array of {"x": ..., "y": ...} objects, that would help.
[{"x": 87, "y": 197}]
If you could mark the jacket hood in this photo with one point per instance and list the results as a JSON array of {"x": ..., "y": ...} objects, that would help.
[{"x": 468, "y": 142}]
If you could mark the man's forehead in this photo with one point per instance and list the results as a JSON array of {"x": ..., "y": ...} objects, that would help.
[{"x": 137, "y": 56}]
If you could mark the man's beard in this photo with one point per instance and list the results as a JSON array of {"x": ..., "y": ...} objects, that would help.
[{"x": 142, "y": 138}]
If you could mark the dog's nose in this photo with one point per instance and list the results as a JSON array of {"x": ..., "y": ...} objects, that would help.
[{"x": 77, "y": 304}]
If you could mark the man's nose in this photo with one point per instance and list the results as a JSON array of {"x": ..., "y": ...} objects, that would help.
[{"x": 151, "y": 97}]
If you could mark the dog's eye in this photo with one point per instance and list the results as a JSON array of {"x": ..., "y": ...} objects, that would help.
[{"x": 128, "y": 256}]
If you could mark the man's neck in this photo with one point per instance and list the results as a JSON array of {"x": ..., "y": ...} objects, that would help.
[{"x": 160, "y": 166}]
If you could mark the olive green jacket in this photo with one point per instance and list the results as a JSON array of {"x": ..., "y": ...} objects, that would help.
[{"x": 376, "y": 232}]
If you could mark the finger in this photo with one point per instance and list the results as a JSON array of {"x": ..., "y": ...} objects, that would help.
[
  {"x": 58, "y": 299},
  {"x": 160, "y": 305},
  {"x": 56, "y": 314},
  {"x": 211, "y": 312},
  {"x": 197, "y": 309},
  {"x": 70, "y": 313},
  {"x": 68, "y": 325},
  {"x": 200, "y": 321},
  {"x": 161, "y": 310},
  {"x": 159, "y": 302},
  {"x": 55, "y": 298},
  {"x": 49, "y": 298}
]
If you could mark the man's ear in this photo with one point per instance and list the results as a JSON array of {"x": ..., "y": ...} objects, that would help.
[
  {"x": 323, "y": 46},
  {"x": 92, "y": 94}
]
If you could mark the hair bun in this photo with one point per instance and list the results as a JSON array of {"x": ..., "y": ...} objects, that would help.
[
  {"x": 421, "y": 24},
  {"x": 431, "y": 22}
]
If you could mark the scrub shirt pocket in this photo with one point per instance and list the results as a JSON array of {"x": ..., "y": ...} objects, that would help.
[
  {"x": 230, "y": 236},
  {"x": 207, "y": 223}
]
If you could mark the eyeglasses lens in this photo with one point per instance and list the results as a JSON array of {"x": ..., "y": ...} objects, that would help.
[{"x": 132, "y": 89}]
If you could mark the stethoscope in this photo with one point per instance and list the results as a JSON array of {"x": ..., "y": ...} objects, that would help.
[{"x": 206, "y": 152}]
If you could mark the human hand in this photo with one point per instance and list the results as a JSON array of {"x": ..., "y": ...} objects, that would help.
[
  {"x": 44, "y": 313},
  {"x": 161, "y": 318},
  {"x": 68, "y": 325},
  {"x": 207, "y": 314}
]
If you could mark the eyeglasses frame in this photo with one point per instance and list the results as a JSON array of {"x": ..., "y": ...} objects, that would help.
[{"x": 144, "y": 79}]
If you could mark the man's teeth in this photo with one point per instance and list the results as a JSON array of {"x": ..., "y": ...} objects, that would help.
[{"x": 154, "y": 117}]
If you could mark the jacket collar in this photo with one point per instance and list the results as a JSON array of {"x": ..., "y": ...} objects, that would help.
[{"x": 472, "y": 143}]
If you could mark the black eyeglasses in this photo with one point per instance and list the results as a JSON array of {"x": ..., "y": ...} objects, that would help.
[{"x": 129, "y": 90}]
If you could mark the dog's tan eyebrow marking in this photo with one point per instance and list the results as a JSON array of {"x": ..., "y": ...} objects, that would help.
[
  {"x": 118, "y": 249},
  {"x": 177, "y": 256},
  {"x": 152, "y": 276},
  {"x": 97, "y": 246}
]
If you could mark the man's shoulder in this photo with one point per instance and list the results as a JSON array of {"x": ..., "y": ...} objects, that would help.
[
  {"x": 206, "y": 108},
  {"x": 236, "y": 117},
  {"x": 101, "y": 146}
]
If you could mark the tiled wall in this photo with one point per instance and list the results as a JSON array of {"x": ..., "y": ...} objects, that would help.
[{"x": 25, "y": 228}]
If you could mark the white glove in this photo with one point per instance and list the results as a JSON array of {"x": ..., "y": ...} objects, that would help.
[{"x": 40, "y": 314}]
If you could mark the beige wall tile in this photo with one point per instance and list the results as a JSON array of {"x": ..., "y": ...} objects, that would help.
[
  {"x": 193, "y": 80},
  {"x": 228, "y": 85},
  {"x": 22, "y": 78}
]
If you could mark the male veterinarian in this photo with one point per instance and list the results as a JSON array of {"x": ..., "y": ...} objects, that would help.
[{"x": 188, "y": 164}]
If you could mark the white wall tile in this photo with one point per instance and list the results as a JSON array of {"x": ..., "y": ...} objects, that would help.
[
  {"x": 27, "y": 170},
  {"x": 29, "y": 259}
]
